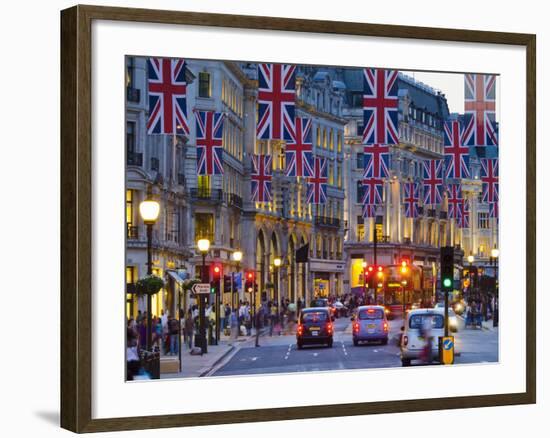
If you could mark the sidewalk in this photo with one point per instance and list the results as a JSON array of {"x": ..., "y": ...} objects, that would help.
[{"x": 199, "y": 366}]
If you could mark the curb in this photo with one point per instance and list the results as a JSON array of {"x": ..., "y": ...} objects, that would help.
[{"x": 218, "y": 360}]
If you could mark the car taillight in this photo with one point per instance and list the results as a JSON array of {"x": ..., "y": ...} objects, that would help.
[
  {"x": 356, "y": 327},
  {"x": 329, "y": 327},
  {"x": 385, "y": 326},
  {"x": 300, "y": 329},
  {"x": 405, "y": 340}
]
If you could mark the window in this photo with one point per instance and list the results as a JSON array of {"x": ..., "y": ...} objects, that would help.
[
  {"x": 339, "y": 142},
  {"x": 204, "y": 226},
  {"x": 360, "y": 160},
  {"x": 360, "y": 231},
  {"x": 204, "y": 84},
  {"x": 360, "y": 129},
  {"x": 131, "y": 136},
  {"x": 318, "y": 136},
  {"x": 130, "y": 72},
  {"x": 371, "y": 314},
  {"x": 483, "y": 220},
  {"x": 339, "y": 172},
  {"x": 418, "y": 321},
  {"x": 331, "y": 140},
  {"x": 360, "y": 192},
  {"x": 203, "y": 183},
  {"x": 330, "y": 174}
]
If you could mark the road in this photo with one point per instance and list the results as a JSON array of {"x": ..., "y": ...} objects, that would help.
[{"x": 279, "y": 354}]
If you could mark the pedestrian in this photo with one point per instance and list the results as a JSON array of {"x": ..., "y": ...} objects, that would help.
[
  {"x": 133, "y": 363},
  {"x": 158, "y": 333},
  {"x": 142, "y": 334},
  {"x": 259, "y": 319},
  {"x": 189, "y": 329},
  {"x": 234, "y": 324},
  {"x": 174, "y": 331}
]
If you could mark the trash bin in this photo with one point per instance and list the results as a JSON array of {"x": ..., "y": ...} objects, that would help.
[{"x": 151, "y": 363}]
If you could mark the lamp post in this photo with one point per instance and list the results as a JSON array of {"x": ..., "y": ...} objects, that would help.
[
  {"x": 237, "y": 256},
  {"x": 203, "y": 245},
  {"x": 277, "y": 263},
  {"x": 403, "y": 284},
  {"x": 149, "y": 211},
  {"x": 470, "y": 261},
  {"x": 365, "y": 264},
  {"x": 494, "y": 262}
]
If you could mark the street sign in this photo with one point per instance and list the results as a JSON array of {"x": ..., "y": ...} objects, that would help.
[
  {"x": 446, "y": 349},
  {"x": 201, "y": 288}
]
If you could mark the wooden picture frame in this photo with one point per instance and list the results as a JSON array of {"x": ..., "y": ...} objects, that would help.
[{"x": 76, "y": 222}]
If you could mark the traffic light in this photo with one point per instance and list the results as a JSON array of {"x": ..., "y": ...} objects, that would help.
[
  {"x": 249, "y": 280},
  {"x": 227, "y": 283},
  {"x": 404, "y": 267},
  {"x": 447, "y": 268},
  {"x": 216, "y": 272}
]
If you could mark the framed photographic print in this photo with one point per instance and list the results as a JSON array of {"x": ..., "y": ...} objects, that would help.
[{"x": 261, "y": 206}]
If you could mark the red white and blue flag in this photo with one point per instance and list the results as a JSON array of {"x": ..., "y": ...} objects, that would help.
[
  {"x": 457, "y": 155},
  {"x": 209, "y": 142},
  {"x": 167, "y": 90},
  {"x": 373, "y": 191},
  {"x": 369, "y": 210},
  {"x": 276, "y": 99},
  {"x": 380, "y": 106},
  {"x": 479, "y": 110},
  {"x": 489, "y": 179},
  {"x": 433, "y": 181},
  {"x": 454, "y": 199},
  {"x": 261, "y": 178},
  {"x": 411, "y": 198},
  {"x": 317, "y": 183},
  {"x": 377, "y": 161},
  {"x": 299, "y": 147},
  {"x": 463, "y": 211}
]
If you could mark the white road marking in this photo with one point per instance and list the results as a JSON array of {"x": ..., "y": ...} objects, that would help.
[
  {"x": 254, "y": 358},
  {"x": 315, "y": 354},
  {"x": 376, "y": 351}
]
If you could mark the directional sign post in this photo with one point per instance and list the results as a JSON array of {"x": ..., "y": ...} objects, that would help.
[
  {"x": 200, "y": 289},
  {"x": 447, "y": 350}
]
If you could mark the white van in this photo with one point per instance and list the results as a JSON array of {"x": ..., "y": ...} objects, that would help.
[{"x": 412, "y": 341}]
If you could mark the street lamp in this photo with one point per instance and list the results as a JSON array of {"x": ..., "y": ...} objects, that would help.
[
  {"x": 494, "y": 258},
  {"x": 149, "y": 211},
  {"x": 204, "y": 246},
  {"x": 237, "y": 256},
  {"x": 277, "y": 263}
]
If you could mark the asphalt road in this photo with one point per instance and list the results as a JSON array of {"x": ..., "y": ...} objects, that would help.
[{"x": 279, "y": 354}]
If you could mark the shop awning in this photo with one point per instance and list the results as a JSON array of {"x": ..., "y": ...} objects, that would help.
[{"x": 175, "y": 277}]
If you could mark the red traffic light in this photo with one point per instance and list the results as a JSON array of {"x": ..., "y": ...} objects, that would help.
[
  {"x": 380, "y": 268},
  {"x": 250, "y": 275},
  {"x": 216, "y": 271},
  {"x": 371, "y": 268}
]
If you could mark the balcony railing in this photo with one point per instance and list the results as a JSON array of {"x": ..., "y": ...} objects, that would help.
[
  {"x": 431, "y": 212},
  {"x": 206, "y": 194},
  {"x": 134, "y": 158},
  {"x": 235, "y": 200},
  {"x": 442, "y": 215},
  {"x": 407, "y": 240},
  {"x": 132, "y": 232},
  {"x": 324, "y": 221},
  {"x": 133, "y": 94},
  {"x": 204, "y": 235}
]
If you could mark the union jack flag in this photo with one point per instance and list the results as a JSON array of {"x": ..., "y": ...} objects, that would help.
[
  {"x": 411, "y": 192},
  {"x": 457, "y": 156},
  {"x": 493, "y": 210},
  {"x": 380, "y": 103},
  {"x": 167, "y": 91},
  {"x": 454, "y": 199},
  {"x": 479, "y": 109},
  {"x": 463, "y": 211},
  {"x": 433, "y": 181},
  {"x": 489, "y": 178},
  {"x": 373, "y": 191},
  {"x": 299, "y": 147},
  {"x": 209, "y": 142},
  {"x": 317, "y": 183},
  {"x": 276, "y": 96},
  {"x": 369, "y": 210},
  {"x": 377, "y": 161},
  {"x": 261, "y": 178}
]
